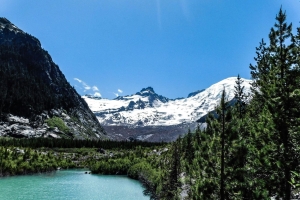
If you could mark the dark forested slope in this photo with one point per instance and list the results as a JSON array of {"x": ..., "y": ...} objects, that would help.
[{"x": 33, "y": 87}]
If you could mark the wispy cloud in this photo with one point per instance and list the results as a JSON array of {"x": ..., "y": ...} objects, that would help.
[
  {"x": 77, "y": 79},
  {"x": 120, "y": 91},
  {"x": 86, "y": 87},
  {"x": 116, "y": 94},
  {"x": 95, "y": 88}
]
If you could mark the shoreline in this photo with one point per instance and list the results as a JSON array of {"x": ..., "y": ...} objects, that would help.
[{"x": 144, "y": 182}]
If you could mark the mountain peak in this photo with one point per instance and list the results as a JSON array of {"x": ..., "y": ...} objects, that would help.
[
  {"x": 146, "y": 90},
  {"x": 3, "y": 20},
  {"x": 149, "y": 92},
  {"x": 12, "y": 35},
  {"x": 6, "y": 24},
  {"x": 195, "y": 93}
]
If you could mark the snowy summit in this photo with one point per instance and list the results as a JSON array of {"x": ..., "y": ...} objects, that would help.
[{"x": 146, "y": 108}]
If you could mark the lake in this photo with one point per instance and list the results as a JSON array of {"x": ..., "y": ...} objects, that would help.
[{"x": 70, "y": 185}]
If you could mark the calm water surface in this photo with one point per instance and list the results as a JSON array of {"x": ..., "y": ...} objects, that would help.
[{"x": 70, "y": 185}]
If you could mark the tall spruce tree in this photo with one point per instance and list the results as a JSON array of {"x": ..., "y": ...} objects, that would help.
[
  {"x": 238, "y": 180},
  {"x": 172, "y": 182},
  {"x": 222, "y": 129},
  {"x": 221, "y": 112},
  {"x": 281, "y": 63},
  {"x": 189, "y": 149},
  {"x": 240, "y": 97},
  {"x": 207, "y": 184},
  {"x": 276, "y": 77}
]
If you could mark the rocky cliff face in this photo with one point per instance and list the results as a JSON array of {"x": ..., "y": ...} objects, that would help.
[{"x": 34, "y": 92}]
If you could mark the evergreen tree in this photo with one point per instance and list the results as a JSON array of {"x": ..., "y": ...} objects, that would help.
[
  {"x": 209, "y": 161},
  {"x": 240, "y": 97},
  {"x": 170, "y": 190},
  {"x": 224, "y": 120},
  {"x": 198, "y": 135},
  {"x": 276, "y": 78},
  {"x": 189, "y": 151},
  {"x": 238, "y": 136}
]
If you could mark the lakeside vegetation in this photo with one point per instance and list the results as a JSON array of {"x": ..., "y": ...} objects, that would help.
[{"x": 26, "y": 156}]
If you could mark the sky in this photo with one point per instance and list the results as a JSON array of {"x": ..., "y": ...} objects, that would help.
[{"x": 117, "y": 47}]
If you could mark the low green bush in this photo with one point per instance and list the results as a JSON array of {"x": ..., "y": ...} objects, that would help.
[
  {"x": 140, "y": 168},
  {"x": 59, "y": 123}
]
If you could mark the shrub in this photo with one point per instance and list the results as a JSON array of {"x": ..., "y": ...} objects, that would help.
[
  {"x": 138, "y": 169},
  {"x": 59, "y": 123}
]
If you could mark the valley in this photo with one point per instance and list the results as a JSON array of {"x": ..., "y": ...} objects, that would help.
[{"x": 237, "y": 139}]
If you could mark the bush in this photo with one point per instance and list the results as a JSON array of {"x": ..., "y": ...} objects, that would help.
[
  {"x": 140, "y": 168},
  {"x": 59, "y": 123}
]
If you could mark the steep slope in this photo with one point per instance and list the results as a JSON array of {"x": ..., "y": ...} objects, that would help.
[
  {"x": 147, "y": 109},
  {"x": 33, "y": 91}
]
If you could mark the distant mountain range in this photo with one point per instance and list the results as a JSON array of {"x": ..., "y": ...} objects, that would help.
[{"x": 141, "y": 115}]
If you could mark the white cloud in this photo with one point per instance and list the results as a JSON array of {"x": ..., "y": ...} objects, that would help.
[
  {"x": 77, "y": 79},
  {"x": 97, "y": 94},
  {"x": 120, "y": 91},
  {"x": 95, "y": 88},
  {"x": 116, "y": 94},
  {"x": 85, "y": 86}
]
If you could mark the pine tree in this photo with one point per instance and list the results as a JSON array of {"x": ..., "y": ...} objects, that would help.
[
  {"x": 189, "y": 151},
  {"x": 222, "y": 119},
  {"x": 281, "y": 63},
  {"x": 172, "y": 182},
  {"x": 198, "y": 135},
  {"x": 276, "y": 78},
  {"x": 237, "y": 138},
  {"x": 240, "y": 97},
  {"x": 207, "y": 159}
]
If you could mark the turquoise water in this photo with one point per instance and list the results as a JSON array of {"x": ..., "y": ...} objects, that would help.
[{"x": 70, "y": 185}]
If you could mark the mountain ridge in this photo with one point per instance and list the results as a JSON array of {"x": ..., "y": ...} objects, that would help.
[
  {"x": 34, "y": 90},
  {"x": 140, "y": 110}
]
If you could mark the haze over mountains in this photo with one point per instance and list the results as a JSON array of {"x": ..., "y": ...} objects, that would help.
[{"x": 141, "y": 115}]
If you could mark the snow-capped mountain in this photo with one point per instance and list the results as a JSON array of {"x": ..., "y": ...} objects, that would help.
[
  {"x": 152, "y": 117},
  {"x": 146, "y": 108}
]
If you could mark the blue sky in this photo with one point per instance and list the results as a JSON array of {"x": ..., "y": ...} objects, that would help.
[{"x": 118, "y": 47}]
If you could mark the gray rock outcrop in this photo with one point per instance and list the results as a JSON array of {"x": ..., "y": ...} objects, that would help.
[{"x": 20, "y": 127}]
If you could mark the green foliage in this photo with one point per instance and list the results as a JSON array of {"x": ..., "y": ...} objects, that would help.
[
  {"x": 295, "y": 180},
  {"x": 139, "y": 169},
  {"x": 277, "y": 79},
  {"x": 17, "y": 161},
  {"x": 59, "y": 123},
  {"x": 74, "y": 143}
]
